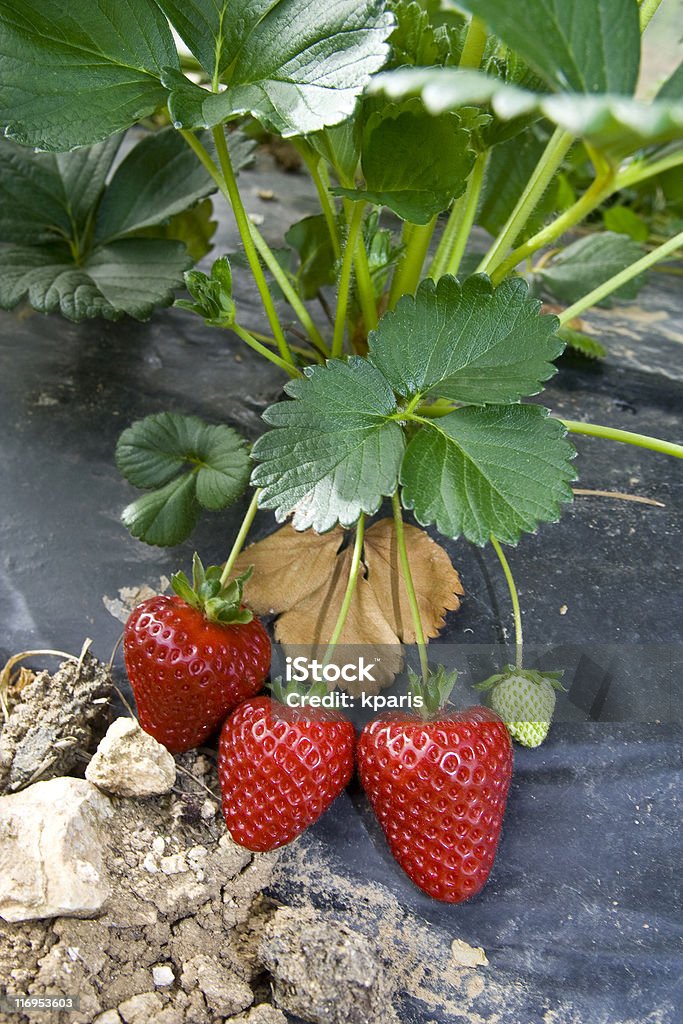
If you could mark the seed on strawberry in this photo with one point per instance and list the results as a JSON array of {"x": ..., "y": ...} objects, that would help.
[
  {"x": 281, "y": 767},
  {"x": 193, "y": 657},
  {"x": 438, "y": 785},
  {"x": 525, "y": 700}
]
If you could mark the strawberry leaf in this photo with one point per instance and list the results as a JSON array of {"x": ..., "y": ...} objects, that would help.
[
  {"x": 589, "y": 262},
  {"x": 469, "y": 342},
  {"x": 494, "y": 471},
  {"x": 311, "y": 239},
  {"x": 334, "y": 452},
  {"x": 188, "y": 465}
]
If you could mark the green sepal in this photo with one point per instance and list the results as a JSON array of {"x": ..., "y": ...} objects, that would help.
[
  {"x": 553, "y": 678},
  {"x": 435, "y": 690},
  {"x": 217, "y": 602},
  {"x": 281, "y": 691}
]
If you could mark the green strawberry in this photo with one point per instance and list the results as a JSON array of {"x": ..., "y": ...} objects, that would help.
[{"x": 525, "y": 700}]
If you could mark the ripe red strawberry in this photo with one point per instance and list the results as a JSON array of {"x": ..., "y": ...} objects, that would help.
[
  {"x": 438, "y": 786},
  {"x": 193, "y": 657},
  {"x": 281, "y": 767}
]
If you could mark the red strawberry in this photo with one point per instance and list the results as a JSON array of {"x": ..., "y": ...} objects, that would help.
[
  {"x": 192, "y": 658},
  {"x": 281, "y": 767},
  {"x": 438, "y": 786}
]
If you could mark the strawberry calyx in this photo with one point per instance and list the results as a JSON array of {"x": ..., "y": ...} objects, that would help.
[
  {"x": 282, "y": 691},
  {"x": 532, "y": 674},
  {"x": 215, "y": 600},
  {"x": 434, "y": 690}
]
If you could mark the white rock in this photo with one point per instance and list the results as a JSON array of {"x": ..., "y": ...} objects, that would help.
[
  {"x": 130, "y": 762},
  {"x": 162, "y": 975},
  {"x": 209, "y": 810},
  {"x": 51, "y": 840},
  {"x": 174, "y": 865},
  {"x": 468, "y": 956}
]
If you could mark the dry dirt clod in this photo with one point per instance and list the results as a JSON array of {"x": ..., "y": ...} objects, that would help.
[{"x": 130, "y": 762}]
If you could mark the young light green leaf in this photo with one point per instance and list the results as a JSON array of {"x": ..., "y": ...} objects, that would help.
[
  {"x": 166, "y": 516},
  {"x": 311, "y": 239},
  {"x": 624, "y": 221},
  {"x": 73, "y": 74},
  {"x": 417, "y": 40},
  {"x": 589, "y": 262},
  {"x": 583, "y": 343},
  {"x": 469, "y": 342},
  {"x": 295, "y": 66},
  {"x": 334, "y": 452},
  {"x": 495, "y": 471},
  {"x": 413, "y": 163},
  {"x": 194, "y": 228},
  {"x": 589, "y": 46},
  {"x": 212, "y": 294},
  {"x": 339, "y": 145},
  {"x": 131, "y": 276}
]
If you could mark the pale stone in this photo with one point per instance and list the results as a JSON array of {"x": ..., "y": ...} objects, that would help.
[
  {"x": 130, "y": 762},
  {"x": 225, "y": 993},
  {"x": 162, "y": 975},
  {"x": 51, "y": 842},
  {"x": 174, "y": 865},
  {"x": 108, "y": 1017},
  {"x": 468, "y": 956},
  {"x": 141, "y": 1009}
]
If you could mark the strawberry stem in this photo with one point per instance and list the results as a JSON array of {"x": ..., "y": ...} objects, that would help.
[
  {"x": 410, "y": 586},
  {"x": 241, "y": 537},
  {"x": 350, "y": 589},
  {"x": 519, "y": 640}
]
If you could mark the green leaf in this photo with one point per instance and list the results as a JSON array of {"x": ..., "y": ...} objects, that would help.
[
  {"x": 311, "y": 239},
  {"x": 672, "y": 88},
  {"x": 334, "y": 452},
  {"x": 158, "y": 179},
  {"x": 624, "y": 221},
  {"x": 469, "y": 342},
  {"x": 495, "y": 471},
  {"x": 212, "y": 295},
  {"x": 413, "y": 163},
  {"x": 617, "y": 125},
  {"x": 73, "y": 74},
  {"x": 418, "y": 41},
  {"x": 295, "y": 66},
  {"x": 194, "y": 228},
  {"x": 340, "y": 146},
  {"x": 589, "y": 262},
  {"x": 130, "y": 276},
  {"x": 164, "y": 517},
  {"x": 582, "y": 343},
  {"x": 589, "y": 46}
]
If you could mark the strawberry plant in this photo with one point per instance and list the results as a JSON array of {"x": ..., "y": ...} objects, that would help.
[{"x": 416, "y": 387}]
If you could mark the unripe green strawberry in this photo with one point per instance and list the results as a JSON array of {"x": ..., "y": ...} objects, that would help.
[{"x": 525, "y": 700}]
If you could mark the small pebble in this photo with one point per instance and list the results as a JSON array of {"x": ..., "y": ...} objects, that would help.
[{"x": 162, "y": 975}]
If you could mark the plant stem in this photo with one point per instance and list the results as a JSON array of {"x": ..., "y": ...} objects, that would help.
[
  {"x": 640, "y": 170},
  {"x": 626, "y": 436},
  {"x": 315, "y": 165},
  {"x": 307, "y": 353},
  {"x": 251, "y": 341},
  {"x": 366, "y": 289},
  {"x": 345, "y": 279},
  {"x": 514, "y": 597},
  {"x": 409, "y": 271},
  {"x": 241, "y": 537},
  {"x": 410, "y": 586},
  {"x": 648, "y": 8},
  {"x": 475, "y": 42},
  {"x": 288, "y": 290},
  {"x": 546, "y": 168},
  {"x": 350, "y": 589},
  {"x": 625, "y": 275},
  {"x": 469, "y": 212}
]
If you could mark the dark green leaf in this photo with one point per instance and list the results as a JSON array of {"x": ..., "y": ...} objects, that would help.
[
  {"x": 589, "y": 46},
  {"x": 158, "y": 179},
  {"x": 672, "y": 89},
  {"x": 311, "y": 239},
  {"x": 164, "y": 517},
  {"x": 585, "y": 264},
  {"x": 582, "y": 343},
  {"x": 469, "y": 342},
  {"x": 72, "y": 74},
  {"x": 496, "y": 471},
  {"x": 413, "y": 163},
  {"x": 295, "y": 66},
  {"x": 334, "y": 453},
  {"x": 131, "y": 276}
]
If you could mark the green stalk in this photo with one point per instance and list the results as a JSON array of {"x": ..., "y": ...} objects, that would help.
[
  {"x": 625, "y": 275},
  {"x": 315, "y": 165},
  {"x": 475, "y": 43},
  {"x": 366, "y": 290},
  {"x": 410, "y": 586},
  {"x": 307, "y": 353},
  {"x": 409, "y": 271},
  {"x": 625, "y": 436},
  {"x": 251, "y": 341},
  {"x": 514, "y": 597},
  {"x": 241, "y": 537},
  {"x": 648, "y": 8},
  {"x": 638, "y": 171},
  {"x": 350, "y": 589},
  {"x": 345, "y": 279},
  {"x": 469, "y": 212},
  {"x": 551, "y": 159}
]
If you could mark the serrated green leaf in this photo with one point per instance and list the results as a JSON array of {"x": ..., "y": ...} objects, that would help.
[
  {"x": 339, "y": 145},
  {"x": 624, "y": 221},
  {"x": 413, "y": 163},
  {"x": 130, "y": 277},
  {"x": 589, "y": 262},
  {"x": 617, "y": 125},
  {"x": 334, "y": 452},
  {"x": 495, "y": 471},
  {"x": 418, "y": 41},
  {"x": 311, "y": 239},
  {"x": 588, "y": 46},
  {"x": 469, "y": 342},
  {"x": 194, "y": 228},
  {"x": 164, "y": 517},
  {"x": 294, "y": 66},
  {"x": 73, "y": 74},
  {"x": 582, "y": 343}
]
